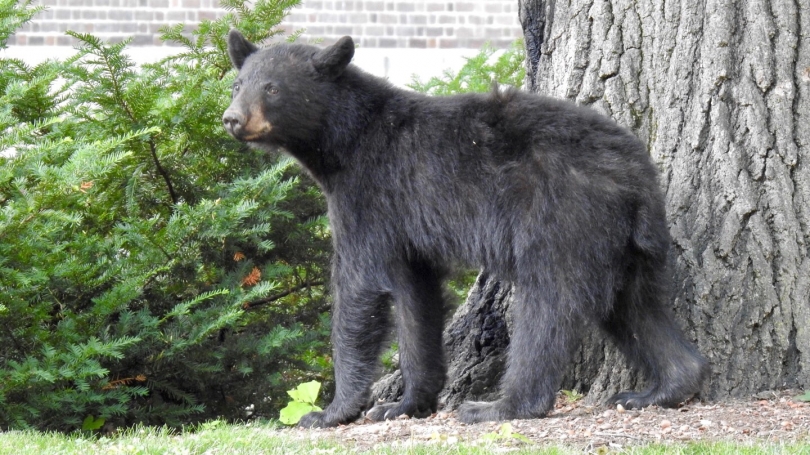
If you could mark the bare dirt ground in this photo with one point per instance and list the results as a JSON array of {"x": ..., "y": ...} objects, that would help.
[{"x": 769, "y": 416}]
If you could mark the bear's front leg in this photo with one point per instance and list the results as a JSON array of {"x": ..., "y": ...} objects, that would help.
[{"x": 360, "y": 324}]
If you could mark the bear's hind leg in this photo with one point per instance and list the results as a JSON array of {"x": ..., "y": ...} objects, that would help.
[
  {"x": 647, "y": 334},
  {"x": 540, "y": 346},
  {"x": 420, "y": 310}
]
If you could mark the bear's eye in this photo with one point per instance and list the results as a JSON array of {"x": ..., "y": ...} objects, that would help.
[
  {"x": 235, "y": 88},
  {"x": 271, "y": 90}
]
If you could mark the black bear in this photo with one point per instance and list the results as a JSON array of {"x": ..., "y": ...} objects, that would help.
[{"x": 553, "y": 197}]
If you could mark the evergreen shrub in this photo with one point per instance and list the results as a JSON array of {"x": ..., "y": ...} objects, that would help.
[{"x": 151, "y": 268}]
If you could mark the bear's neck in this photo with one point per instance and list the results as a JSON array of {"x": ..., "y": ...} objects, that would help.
[{"x": 333, "y": 152}]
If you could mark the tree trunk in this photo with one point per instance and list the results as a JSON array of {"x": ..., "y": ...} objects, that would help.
[
  {"x": 720, "y": 92},
  {"x": 475, "y": 343}
]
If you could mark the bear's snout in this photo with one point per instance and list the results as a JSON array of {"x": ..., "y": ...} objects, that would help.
[
  {"x": 234, "y": 122},
  {"x": 250, "y": 126}
]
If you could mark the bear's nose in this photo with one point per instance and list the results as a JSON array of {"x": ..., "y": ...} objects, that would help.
[{"x": 233, "y": 121}]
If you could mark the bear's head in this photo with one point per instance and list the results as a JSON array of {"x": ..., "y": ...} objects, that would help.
[{"x": 283, "y": 92}]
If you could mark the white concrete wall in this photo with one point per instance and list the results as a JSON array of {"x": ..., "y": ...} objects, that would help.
[{"x": 398, "y": 65}]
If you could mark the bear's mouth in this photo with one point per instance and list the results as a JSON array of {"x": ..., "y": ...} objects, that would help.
[
  {"x": 251, "y": 132},
  {"x": 256, "y": 132}
]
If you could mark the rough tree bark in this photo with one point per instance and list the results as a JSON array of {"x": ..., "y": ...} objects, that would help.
[
  {"x": 720, "y": 92},
  {"x": 475, "y": 343}
]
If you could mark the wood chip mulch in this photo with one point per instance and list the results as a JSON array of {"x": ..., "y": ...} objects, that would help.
[{"x": 767, "y": 417}]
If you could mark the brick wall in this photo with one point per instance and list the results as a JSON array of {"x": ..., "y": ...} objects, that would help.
[
  {"x": 413, "y": 23},
  {"x": 373, "y": 23},
  {"x": 112, "y": 20}
]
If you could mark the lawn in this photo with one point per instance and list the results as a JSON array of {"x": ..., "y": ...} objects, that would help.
[{"x": 221, "y": 438}]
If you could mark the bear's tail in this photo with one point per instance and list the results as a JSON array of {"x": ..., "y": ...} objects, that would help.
[{"x": 650, "y": 232}]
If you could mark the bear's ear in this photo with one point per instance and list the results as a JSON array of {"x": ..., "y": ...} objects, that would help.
[
  {"x": 334, "y": 59},
  {"x": 239, "y": 48}
]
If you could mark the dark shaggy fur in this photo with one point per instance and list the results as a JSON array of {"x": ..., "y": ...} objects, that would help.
[{"x": 553, "y": 197}]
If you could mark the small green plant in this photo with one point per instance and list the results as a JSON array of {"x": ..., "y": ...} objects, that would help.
[
  {"x": 302, "y": 403},
  {"x": 505, "y": 433},
  {"x": 803, "y": 397},
  {"x": 91, "y": 423},
  {"x": 572, "y": 395}
]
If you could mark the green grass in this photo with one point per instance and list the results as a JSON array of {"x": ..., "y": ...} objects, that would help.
[{"x": 220, "y": 438}]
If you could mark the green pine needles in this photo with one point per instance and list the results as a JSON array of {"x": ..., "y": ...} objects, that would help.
[
  {"x": 151, "y": 269},
  {"x": 479, "y": 73}
]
